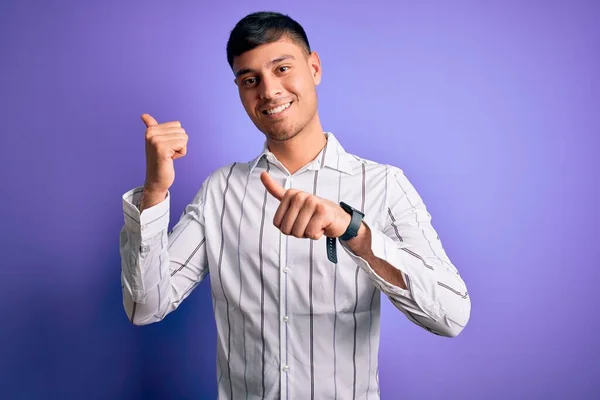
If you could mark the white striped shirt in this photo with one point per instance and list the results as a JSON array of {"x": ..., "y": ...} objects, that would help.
[{"x": 291, "y": 324}]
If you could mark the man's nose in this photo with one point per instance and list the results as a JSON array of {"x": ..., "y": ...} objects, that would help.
[{"x": 270, "y": 88}]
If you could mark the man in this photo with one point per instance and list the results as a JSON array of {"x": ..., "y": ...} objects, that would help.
[{"x": 299, "y": 242}]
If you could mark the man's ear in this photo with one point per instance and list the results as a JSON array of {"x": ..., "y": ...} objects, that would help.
[{"x": 314, "y": 63}]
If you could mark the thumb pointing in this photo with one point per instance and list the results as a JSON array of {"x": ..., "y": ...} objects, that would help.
[
  {"x": 148, "y": 120},
  {"x": 272, "y": 187}
]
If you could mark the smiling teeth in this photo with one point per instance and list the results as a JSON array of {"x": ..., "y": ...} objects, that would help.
[{"x": 279, "y": 109}]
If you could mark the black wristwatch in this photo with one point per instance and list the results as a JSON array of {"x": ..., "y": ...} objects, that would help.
[
  {"x": 351, "y": 231},
  {"x": 355, "y": 222}
]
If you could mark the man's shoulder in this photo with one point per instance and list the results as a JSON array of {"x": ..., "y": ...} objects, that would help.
[
  {"x": 219, "y": 177},
  {"x": 373, "y": 166},
  {"x": 234, "y": 167}
]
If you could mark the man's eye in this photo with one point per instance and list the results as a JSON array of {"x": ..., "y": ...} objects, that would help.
[
  {"x": 284, "y": 68},
  {"x": 249, "y": 81}
]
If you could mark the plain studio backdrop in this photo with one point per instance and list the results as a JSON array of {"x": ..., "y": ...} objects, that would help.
[{"x": 492, "y": 109}]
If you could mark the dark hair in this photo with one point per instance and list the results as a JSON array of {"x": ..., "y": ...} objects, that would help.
[{"x": 261, "y": 28}]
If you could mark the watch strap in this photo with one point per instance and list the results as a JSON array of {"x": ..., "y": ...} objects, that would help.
[
  {"x": 355, "y": 222},
  {"x": 351, "y": 231},
  {"x": 332, "y": 250}
]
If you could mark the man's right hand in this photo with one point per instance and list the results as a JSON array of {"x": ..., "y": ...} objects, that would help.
[{"x": 164, "y": 143}]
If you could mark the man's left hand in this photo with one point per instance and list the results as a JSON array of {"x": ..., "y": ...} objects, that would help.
[{"x": 304, "y": 215}]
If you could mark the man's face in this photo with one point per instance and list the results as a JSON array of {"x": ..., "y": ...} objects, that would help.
[{"x": 277, "y": 85}]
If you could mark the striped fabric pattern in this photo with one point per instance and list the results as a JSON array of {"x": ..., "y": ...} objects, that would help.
[{"x": 290, "y": 323}]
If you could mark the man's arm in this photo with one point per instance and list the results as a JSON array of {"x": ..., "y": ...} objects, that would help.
[
  {"x": 158, "y": 269},
  {"x": 408, "y": 263}
]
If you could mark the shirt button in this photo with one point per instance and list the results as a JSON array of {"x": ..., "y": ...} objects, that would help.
[
  {"x": 145, "y": 249},
  {"x": 286, "y": 368},
  {"x": 286, "y": 318},
  {"x": 286, "y": 270}
]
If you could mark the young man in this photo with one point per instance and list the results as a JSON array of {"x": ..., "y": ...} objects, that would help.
[{"x": 299, "y": 242}]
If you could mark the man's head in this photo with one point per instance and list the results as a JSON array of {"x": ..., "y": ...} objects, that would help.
[{"x": 276, "y": 73}]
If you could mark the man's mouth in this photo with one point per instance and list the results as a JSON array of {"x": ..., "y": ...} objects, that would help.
[{"x": 278, "y": 109}]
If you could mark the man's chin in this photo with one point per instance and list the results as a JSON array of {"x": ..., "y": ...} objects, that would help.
[{"x": 280, "y": 135}]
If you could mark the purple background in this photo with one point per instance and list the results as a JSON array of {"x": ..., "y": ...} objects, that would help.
[{"x": 491, "y": 108}]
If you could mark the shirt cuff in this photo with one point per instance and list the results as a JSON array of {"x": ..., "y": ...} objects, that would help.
[{"x": 150, "y": 221}]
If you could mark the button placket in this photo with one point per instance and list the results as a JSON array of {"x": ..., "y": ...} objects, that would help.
[{"x": 284, "y": 271}]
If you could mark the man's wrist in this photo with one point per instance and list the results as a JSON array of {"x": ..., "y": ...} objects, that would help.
[
  {"x": 361, "y": 244},
  {"x": 151, "y": 198}
]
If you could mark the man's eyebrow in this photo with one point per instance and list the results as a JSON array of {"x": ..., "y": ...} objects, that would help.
[
  {"x": 272, "y": 62},
  {"x": 242, "y": 72},
  {"x": 282, "y": 58}
]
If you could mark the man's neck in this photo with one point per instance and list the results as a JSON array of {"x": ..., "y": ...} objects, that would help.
[{"x": 298, "y": 151}]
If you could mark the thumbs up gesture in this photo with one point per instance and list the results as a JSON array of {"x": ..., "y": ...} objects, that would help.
[
  {"x": 304, "y": 215},
  {"x": 164, "y": 143}
]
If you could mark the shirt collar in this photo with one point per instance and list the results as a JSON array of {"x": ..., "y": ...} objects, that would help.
[{"x": 332, "y": 156}]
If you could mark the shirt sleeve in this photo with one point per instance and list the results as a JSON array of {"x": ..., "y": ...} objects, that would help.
[
  {"x": 436, "y": 297},
  {"x": 159, "y": 269}
]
